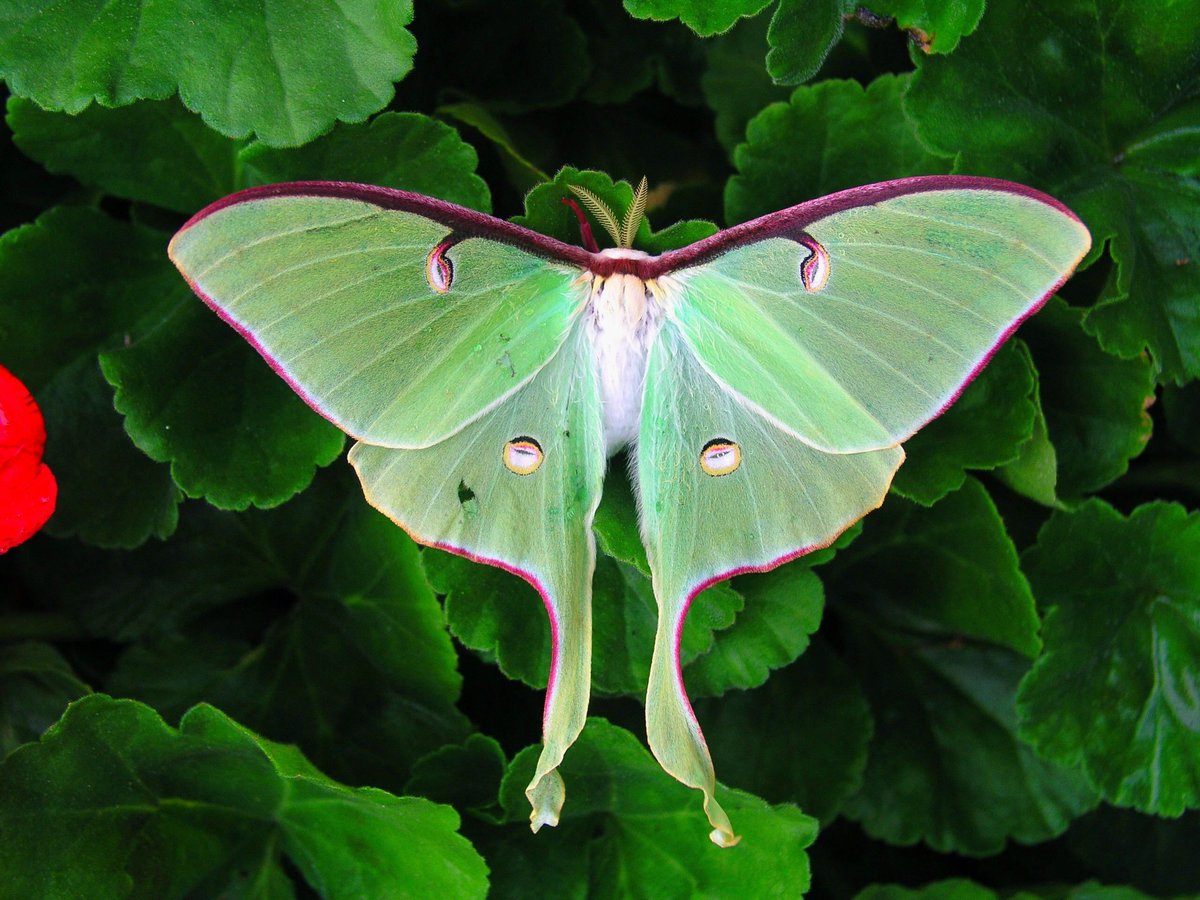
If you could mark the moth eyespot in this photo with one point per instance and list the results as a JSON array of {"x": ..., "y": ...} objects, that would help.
[
  {"x": 814, "y": 271},
  {"x": 439, "y": 270},
  {"x": 720, "y": 457},
  {"x": 523, "y": 455}
]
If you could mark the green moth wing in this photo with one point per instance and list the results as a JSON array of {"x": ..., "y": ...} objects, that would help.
[
  {"x": 854, "y": 328},
  {"x": 346, "y": 290},
  {"x": 723, "y": 490},
  {"x": 767, "y": 376},
  {"x": 537, "y": 458}
]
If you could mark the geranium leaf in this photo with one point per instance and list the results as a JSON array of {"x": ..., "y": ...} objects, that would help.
[
  {"x": 286, "y": 76},
  {"x": 1115, "y": 689},
  {"x": 228, "y": 804},
  {"x": 627, "y": 830}
]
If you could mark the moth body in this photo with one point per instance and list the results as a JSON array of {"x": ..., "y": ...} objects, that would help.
[{"x": 624, "y": 314}]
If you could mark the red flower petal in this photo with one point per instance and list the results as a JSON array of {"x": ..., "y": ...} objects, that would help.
[{"x": 27, "y": 487}]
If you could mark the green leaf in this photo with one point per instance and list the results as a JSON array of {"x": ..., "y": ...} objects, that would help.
[
  {"x": 73, "y": 284},
  {"x": 196, "y": 395},
  {"x": 1093, "y": 107},
  {"x": 467, "y": 776},
  {"x": 801, "y": 34},
  {"x": 400, "y": 150},
  {"x": 1115, "y": 688},
  {"x": 815, "y": 750},
  {"x": 156, "y": 152},
  {"x": 704, "y": 18},
  {"x": 947, "y": 572},
  {"x": 207, "y": 809},
  {"x": 830, "y": 136},
  {"x": 782, "y": 609},
  {"x": 360, "y": 672},
  {"x": 1094, "y": 403},
  {"x": 629, "y": 829},
  {"x": 945, "y": 765},
  {"x": 287, "y": 75},
  {"x": 36, "y": 684},
  {"x": 934, "y": 27},
  {"x": 616, "y": 523},
  {"x": 157, "y": 588},
  {"x": 735, "y": 83},
  {"x": 1034, "y": 473},
  {"x": 986, "y": 427}
]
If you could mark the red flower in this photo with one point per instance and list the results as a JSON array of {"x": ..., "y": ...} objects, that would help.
[{"x": 27, "y": 487}]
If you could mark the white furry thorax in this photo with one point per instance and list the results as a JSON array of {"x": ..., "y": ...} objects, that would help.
[{"x": 624, "y": 314}]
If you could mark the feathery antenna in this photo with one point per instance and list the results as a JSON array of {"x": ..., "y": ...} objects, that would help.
[
  {"x": 623, "y": 232},
  {"x": 633, "y": 216}
]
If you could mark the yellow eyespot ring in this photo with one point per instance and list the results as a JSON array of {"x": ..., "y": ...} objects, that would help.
[
  {"x": 523, "y": 455},
  {"x": 720, "y": 457}
]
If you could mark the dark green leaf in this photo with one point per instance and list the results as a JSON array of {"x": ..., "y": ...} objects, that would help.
[
  {"x": 946, "y": 572},
  {"x": 946, "y": 765},
  {"x": 467, "y": 776},
  {"x": 73, "y": 284},
  {"x": 286, "y": 73},
  {"x": 399, "y": 150},
  {"x": 36, "y": 684},
  {"x": 1093, "y": 106},
  {"x": 156, "y": 152},
  {"x": 814, "y": 752},
  {"x": 360, "y": 672},
  {"x": 219, "y": 805},
  {"x": 704, "y": 18},
  {"x": 801, "y": 34},
  {"x": 196, "y": 395},
  {"x": 627, "y": 828},
  {"x": 1115, "y": 687},
  {"x": 159, "y": 587},
  {"x": 1094, "y": 403},
  {"x": 830, "y": 136}
]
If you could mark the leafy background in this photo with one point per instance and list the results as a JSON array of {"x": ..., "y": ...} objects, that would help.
[{"x": 254, "y": 686}]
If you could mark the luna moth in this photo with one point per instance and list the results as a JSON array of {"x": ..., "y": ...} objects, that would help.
[{"x": 763, "y": 379}]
